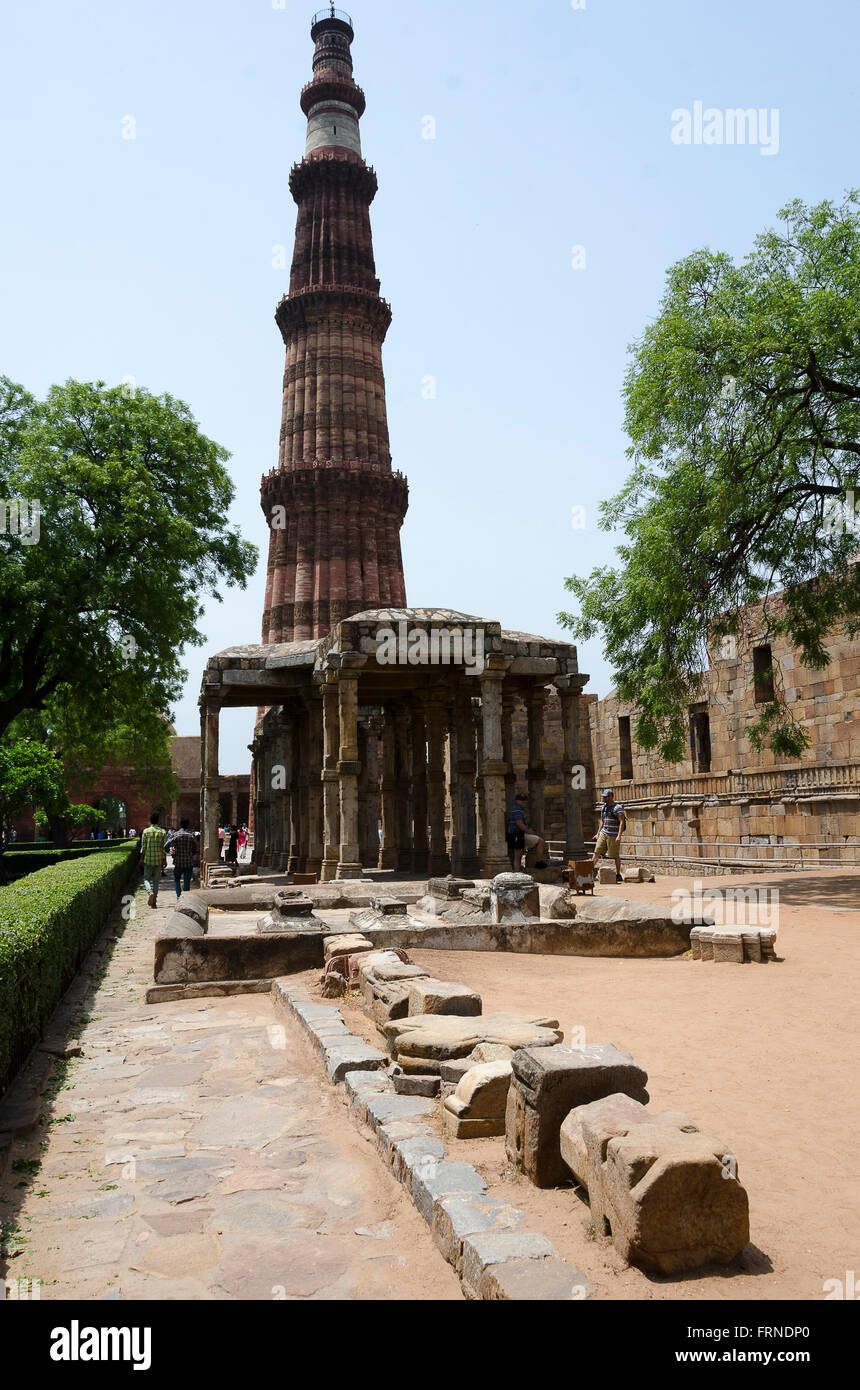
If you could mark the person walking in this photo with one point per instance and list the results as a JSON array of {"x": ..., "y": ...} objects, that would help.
[
  {"x": 184, "y": 847},
  {"x": 612, "y": 824},
  {"x": 152, "y": 858},
  {"x": 231, "y": 855}
]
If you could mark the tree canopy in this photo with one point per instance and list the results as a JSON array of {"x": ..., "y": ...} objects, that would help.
[
  {"x": 742, "y": 404},
  {"x": 120, "y": 534}
]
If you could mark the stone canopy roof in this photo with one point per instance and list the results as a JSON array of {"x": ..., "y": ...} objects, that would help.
[{"x": 259, "y": 673}]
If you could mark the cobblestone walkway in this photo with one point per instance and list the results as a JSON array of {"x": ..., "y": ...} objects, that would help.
[{"x": 194, "y": 1151}]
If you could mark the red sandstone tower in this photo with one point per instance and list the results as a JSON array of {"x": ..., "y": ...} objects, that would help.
[{"x": 333, "y": 504}]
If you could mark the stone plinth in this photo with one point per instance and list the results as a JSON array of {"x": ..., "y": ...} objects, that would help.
[{"x": 548, "y": 1082}]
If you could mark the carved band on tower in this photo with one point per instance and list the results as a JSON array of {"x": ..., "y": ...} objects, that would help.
[{"x": 334, "y": 505}]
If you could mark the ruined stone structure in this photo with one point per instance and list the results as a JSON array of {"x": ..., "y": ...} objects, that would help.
[
  {"x": 362, "y": 759},
  {"x": 727, "y": 795},
  {"x": 333, "y": 505},
  {"x": 324, "y": 800}
]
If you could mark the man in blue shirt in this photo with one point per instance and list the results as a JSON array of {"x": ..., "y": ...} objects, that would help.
[
  {"x": 610, "y": 830},
  {"x": 520, "y": 836}
]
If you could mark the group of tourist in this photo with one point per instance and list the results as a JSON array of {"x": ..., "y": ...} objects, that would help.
[
  {"x": 232, "y": 843},
  {"x": 521, "y": 837},
  {"x": 182, "y": 845}
]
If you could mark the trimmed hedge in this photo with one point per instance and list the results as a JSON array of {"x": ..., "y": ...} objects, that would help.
[
  {"x": 48, "y": 922},
  {"x": 15, "y": 863},
  {"x": 17, "y": 846}
]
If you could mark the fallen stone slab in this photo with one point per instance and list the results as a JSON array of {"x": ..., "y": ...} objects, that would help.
[
  {"x": 433, "y": 1180},
  {"x": 668, "y": 1194},
  {"x": 384, "y": 981},
  {"x": 206, "y": 989},
  {"x": 425, "y": 1042},
  {"x": 477, "y": 1107},
  {"x": 606, "y": 875},
  {"x": 429, "y": 996},
  {"x": 457, "y": 1217},
  {"x": 547, "y": 1083}
]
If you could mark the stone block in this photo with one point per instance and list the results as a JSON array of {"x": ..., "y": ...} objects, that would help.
[
  {"x": 456, "y": 1217},
  {"x": 363, "y": 1085},
  {"x": 488, "y": 1249},
  {"x": 394, "y": 1132},
  {"x": 560, "y": 905},
  {"x": 429, "y": 996},
  {"x": 347, "y": 944},
  {"x": 347, "y": 1056},
  {"x": 430, "y": 1181},
  {"x": 668, "y": 1193},
  {"x": 477, "y": 1107},
  {"x": 547, "y": 1083},
  {"x": 514, "y": 898},
  {"x": 605, "y": 874},
  {"x": 410, "y": 1151},
  {"x": 449, "y": 888},
  {"x": 381, "y": 1109},
  {"x": 550, "y": 1280},
  {"x": 414, "y": 1085}
]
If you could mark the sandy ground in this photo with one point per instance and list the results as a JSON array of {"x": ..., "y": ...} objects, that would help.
[{"x": 763, "y": 1056}]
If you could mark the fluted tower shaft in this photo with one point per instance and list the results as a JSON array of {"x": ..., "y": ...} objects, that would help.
[{"x": 334, "y": 506}]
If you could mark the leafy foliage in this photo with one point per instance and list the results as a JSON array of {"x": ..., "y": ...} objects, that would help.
[
  {"x": 743, "y": 408},
  {"x": 132, "y": 536}
]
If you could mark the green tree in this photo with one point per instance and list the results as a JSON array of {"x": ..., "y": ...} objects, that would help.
[
  {"x": 103, "y": 579},
  {"x": 30, "y": 775},
  {"x": 743, "y": 408}
]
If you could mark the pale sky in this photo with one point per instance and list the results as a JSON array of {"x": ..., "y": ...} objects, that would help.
[{"x": 152, "y": 257}]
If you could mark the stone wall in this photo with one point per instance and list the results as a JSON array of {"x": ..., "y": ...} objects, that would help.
[{"x": 744, "y": 797}]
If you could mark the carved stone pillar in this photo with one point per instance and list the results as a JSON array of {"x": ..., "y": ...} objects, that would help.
[
  {"x": 478, "y": 723},
  {"x": 315, "y": 847},
  {"x": 404, "y": 789},
  {"x": 464, "y": 848},
  {"x": 509, "y": 702},
  {"x": 419, "y": 790},
  {"x": 370, "y": 844},
  {"x": 330, "y": 782},
  {"x": 210, "y": 714},
  {"x": 388, "y": 850},
  {"x": 535, "y": 705},
  {"x": 349, "y": 863},
  {"x": 573, "y": 764},
  {"x": 439, "y": 862},
  {"x": 494, "y": 850}
]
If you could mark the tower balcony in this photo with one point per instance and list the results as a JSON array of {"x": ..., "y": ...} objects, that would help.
[{"x": 331, "y": 18}]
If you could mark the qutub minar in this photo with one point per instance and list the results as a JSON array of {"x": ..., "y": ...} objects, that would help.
[
  {"x": 360, "y": 760},
  {"x": 337, "y": 551}
]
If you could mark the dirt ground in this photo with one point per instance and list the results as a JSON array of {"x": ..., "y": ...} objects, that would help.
[{"x": 752, "y": 1052}]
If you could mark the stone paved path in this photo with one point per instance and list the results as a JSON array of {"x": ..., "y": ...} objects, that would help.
[{"x": 194, "y": 1152}]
